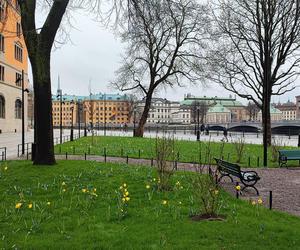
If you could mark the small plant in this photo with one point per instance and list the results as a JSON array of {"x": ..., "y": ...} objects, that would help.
[
  {"x": 123, "y": 200},
  {"x": 274, "y": 150},
  {"x": 239, "y": 146},
  {"x": 165, "y": 157}
]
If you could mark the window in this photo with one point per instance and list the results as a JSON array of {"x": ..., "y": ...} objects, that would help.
[
  {"x": 18, "y": 53},
  {"x": 18, "y": 79},
  {"x": 2, "y": 107},
  {"x": 1, "y": 43},
  {"x": 1, "y": 73},
  {"x": 19, "y": 29},
  {"x": 18, "y": 109}
]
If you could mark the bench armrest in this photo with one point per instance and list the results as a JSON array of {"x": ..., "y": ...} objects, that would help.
[{"x": 253, "y": 173}]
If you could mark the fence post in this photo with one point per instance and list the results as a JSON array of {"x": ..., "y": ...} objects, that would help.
[
  {"x": 139, "y": 154},
  {"x": 85, "y": 156},
  {"x": 257, "y": 161},
  {"x": 178, "y": 156},
  {"x": 66, "y": 155},
  {"x": 151, "y": 162},
  {"x": 237, "y": 191},
  {"x": 271, "y": 200},
  {"x": 121, "y": 152},
  {"x": 127, "y": 159},
  {"x": 249, "y": 161}
]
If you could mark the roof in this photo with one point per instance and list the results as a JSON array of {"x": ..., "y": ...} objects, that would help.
[
  {"x": 218, "y": 108},
  {"x": 100, "y": 96},
  {"x": 273, "y": 110},
  {"x": 226, "y": 102}
]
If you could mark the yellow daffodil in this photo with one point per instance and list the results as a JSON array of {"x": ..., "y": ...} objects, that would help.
[
  {"x": 177, "y": 183},
  {"x": 154, "y": 179},
  {"x": 260, "y": 201},
  {"x": 238, "y": 188},
  {"x": 84, "y": 190},
  {"x": 216, "y": 192},
  {"x": 5, "y": 168},
  {"x": 127, "y": 193},
  {"x": 18, "y": 205},
  {"x": 253, "y": 203},
  {"x": 179, "y": 202},
  {"x": 127, "y": 198},
  {"x": 125, "y": 190},
  {"x": 48, "y": 203},
  {"x": 64, "y": 190},
  {"x": 164, "y": 202},
  {"x": 30, "y": 205},
  {"x": 123, "y": 199},
  {"x": 124, "y": 185},
  {"x": 63, "y": 183},
  {"x": 147, "y": 186},
  {"x": 95, "y": 189},
  {"x": 121, "y": 187}
]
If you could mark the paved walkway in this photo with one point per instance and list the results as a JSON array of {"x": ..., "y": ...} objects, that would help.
[{"x": 284, "y": 183}]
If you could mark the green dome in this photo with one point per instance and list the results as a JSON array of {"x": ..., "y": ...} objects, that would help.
[{"x": 218, "y": 108}]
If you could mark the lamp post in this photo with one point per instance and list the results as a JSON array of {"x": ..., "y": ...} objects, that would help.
[
  {"x": 79, "y": 113},
  {"x": 198, "y": 123},
  {"x": 23, "y": 109},
  {"x": 104, "y": 114},
  {"x": 85, "y": 132},
  {"x": 134, "y": 119},
  {"x": 72, "y": 115},
  {"x": 60, "y": 122}
]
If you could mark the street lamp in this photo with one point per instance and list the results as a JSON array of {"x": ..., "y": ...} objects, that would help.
[
  {"x": 23, "y": 109},
  {"x": 61, "y": 102},
  {"x": 134, "y": 118},
  {"x": 72, "y": 115},
  {"x": 198, "y": 121}
]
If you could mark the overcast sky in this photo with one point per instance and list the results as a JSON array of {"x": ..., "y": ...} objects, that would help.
[{"x": 94, "y": 54}]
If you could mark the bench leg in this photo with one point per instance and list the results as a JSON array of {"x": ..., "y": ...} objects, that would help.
[
  {"x": 250, "y": 187},
  {"x": 225, "y": 175}
]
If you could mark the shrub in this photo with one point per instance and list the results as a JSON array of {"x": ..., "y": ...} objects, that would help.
[{"x": 239, "y": 146}]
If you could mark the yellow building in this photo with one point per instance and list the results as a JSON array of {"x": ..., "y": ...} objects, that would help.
[
  {"x": 13, "y": 59},
  {"x": 95, "y": 110}
]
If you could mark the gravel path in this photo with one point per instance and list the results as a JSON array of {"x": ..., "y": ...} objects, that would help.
[{"x": 284, "y": 183}]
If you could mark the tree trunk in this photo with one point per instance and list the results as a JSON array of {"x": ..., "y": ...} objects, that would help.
[
  {"x": 44, "y": 154},
  {"x": 139, "y": 131}
]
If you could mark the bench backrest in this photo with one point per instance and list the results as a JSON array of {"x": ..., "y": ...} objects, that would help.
[
  {"x": 230, "y": 168},
  {"x": 290, "y": 153}
]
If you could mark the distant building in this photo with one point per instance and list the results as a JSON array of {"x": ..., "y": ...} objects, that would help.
[
  {"x": 298, "y": 107},
  {"x": 276, "y": 114},
  {"x": 161, "y": 110},
  {"x": 288, "y": 109},
  {"x": 96, "y": 110},
  {"x": 13, "y": 59},
  {"x": 237, "y": 110},
  {"x": 218, "y": 114}
]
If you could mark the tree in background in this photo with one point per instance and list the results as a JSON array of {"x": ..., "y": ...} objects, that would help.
[
  {"x": 252, "y": 111},
  {"x": 203, "y": 108},
  {"x": 254, "y": 52},
  {"x": 163, "y": 38}
]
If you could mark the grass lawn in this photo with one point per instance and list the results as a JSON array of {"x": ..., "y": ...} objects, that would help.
[
  {"x": 65, "y": 216},
  {"x": 189, "y": 151}
]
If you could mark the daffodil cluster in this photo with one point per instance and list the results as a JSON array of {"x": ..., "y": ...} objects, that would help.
[
  {"x": 123, "y": 200},
  {"x": 124, "y": 193},
  {"x": 90, "y": 191}
]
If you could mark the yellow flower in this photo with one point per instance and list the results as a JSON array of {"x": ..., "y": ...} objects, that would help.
[
  {"x": 95, "y": 189},
  {"x": 177, "y": 183},
  {"x": 48, "y": 203},
  {"x": 238, "y": 188},
  {"x": 125, "y": 190},
  {"x": 147, "y": 186},
  {"x": 63, "y": 183},
  {"x": 84, "y": 190},
  {"x": 164, "y": 202},
  {"x": 30, "y": 205},
  {"x": 127, "y": 193},
  {"x": 123, "y": 199},
  {"x": 5, "y": 168},
  {"x": 216, "y": 192},
  {"x": 121, "y": 187},
  {"x": 18, "y": 205},
  {"x": 124, "y": 185},
  {"x": 64, "y": 190},
  {"x": 179, "y": 202},
  {"x": 259, "y": 201},
  {"x": 127, "y": 198},
  {"x": 154, "y": 179},
  {"x": 253, "y": 203}
]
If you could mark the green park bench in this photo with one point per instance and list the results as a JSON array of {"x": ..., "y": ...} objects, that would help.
[
  {"x": 287, "y": 155},
  {"x": 227, "y": 169}
]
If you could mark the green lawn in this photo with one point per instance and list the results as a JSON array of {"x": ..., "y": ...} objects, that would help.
[
  {"x": 189, "y": 151},
  {"x": 76, "y": 219}
]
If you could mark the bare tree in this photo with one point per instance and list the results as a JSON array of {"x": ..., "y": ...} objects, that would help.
[
  {"x": 162, "y": 38},
  {"x": 255, "y": 55},
  {"x": 203, "y": 108},
  {"x": 252, "y": 111}
]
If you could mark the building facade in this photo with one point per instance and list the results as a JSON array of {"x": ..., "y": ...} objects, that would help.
[
  {"x": 13, "y": 59},
  {"x": 218, "y": 114},
  {"x": 276, "y": 114},
  {"x": 94, "y": 110},
  {"x": 298, "y": 107},
  {"x": 288, "y": 109}
]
